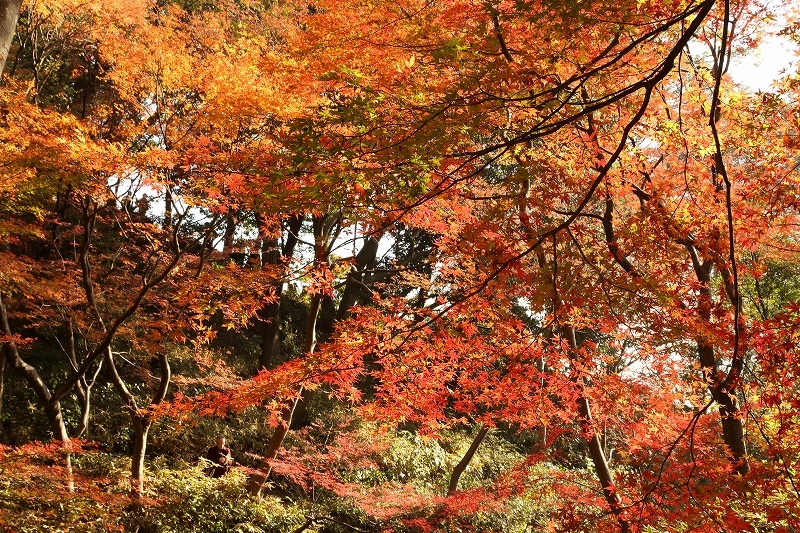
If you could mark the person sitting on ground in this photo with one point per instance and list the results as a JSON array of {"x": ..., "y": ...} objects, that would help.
[{"x": 220, "y": 455}]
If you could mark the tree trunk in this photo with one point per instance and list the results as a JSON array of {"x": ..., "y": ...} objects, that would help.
[
  {"x": 257, "y": 479},
  {"x": 141, "y": 427},
  {"x": 725, "y": 386},
  {"x": 83, "y": 388},
  {"x": 464, "y": 462},
  {"x": 2, "y": 376},
  {"x": 140, "y": 423},
  {"x": 355, "y": 280},
  {"x": 270, "y": 314},
  {"x": 52, "y": 409},
  {"x": 84, "y": 400},
  {"x": 323, "y": 236},
  {"x": 732, "y": 427},
  {"x": 231, "y": 221},
  {"x": 722, "y": 392},
  {"x": 9, "y": 13},
  {"x": 323, "y": 227},
  {"x": 596, "y": 452},
  {"x": 168, "y": 209},
  {"x": 270, "y": 334}
]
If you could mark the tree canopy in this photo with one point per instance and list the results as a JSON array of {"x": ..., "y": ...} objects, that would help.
[{"x": 558, "y": 232}]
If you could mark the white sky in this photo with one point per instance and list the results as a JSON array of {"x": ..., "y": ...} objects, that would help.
[{"x": 759, "y": 70}]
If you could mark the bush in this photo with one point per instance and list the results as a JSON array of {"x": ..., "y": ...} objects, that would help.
[{"x": 189, "y": 501}]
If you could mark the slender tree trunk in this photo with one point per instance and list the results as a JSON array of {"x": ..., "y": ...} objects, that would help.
[
  {"x": 168, "y": 209},
  {"x": 723, "y": 393},
  {"x": 355, "y": 290},
  {"x": 270, "y": 334},
  {"x": 270, "y": 314},
  {"x": 231, "y": 221},
  {"x": 543, "y": 430},
  {"x": 29, "y": 373},
  {"x": 83, "y": 400},
  {"x": 596, "y": 453},
  {"x": 52, "y": 409},
  {"x": 464, "y": 462},
  {"x": 257, "y": 480},
  {"x": 2, "y": 376},
  {"x": 729, "y": 410},
  {"x": 323, "y": 227},
  {"x": 83, "y": 388},
  {"x": 725, "y": 387},
  {"x": 292, "y": 235},
  {"x": 141, "y": 427},
  {"x": 733, "y": 430},
  {"x": 140, "y": 423},
  {"x": 83, "y": 391},
  {"x": 9, "y": 13}
]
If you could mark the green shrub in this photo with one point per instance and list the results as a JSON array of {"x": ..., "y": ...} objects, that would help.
[{"x": 189, "y": 501}]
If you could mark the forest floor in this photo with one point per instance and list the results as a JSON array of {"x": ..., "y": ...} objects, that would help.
[{"x": 399, "y": 484}]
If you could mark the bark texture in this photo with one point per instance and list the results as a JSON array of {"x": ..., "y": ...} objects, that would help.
[{"x": 9, "y": 13}]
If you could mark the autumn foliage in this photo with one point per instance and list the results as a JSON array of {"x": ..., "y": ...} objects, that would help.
[{"x": 551, "y": 247}]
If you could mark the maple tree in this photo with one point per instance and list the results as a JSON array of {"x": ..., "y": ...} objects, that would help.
[
  {"x": 713, "y": 252},
  {"x": 101, "y": 195}
]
